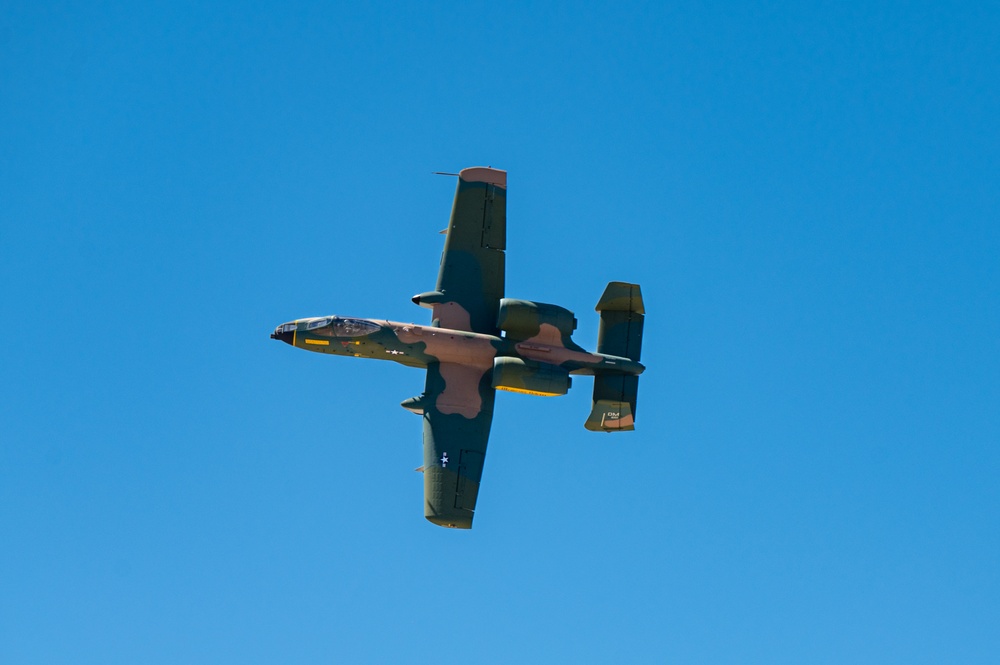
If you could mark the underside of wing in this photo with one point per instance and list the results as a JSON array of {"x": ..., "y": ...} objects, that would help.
[
  {"x": 471, "y": 280},
  {"x": 457, "y": 412}
]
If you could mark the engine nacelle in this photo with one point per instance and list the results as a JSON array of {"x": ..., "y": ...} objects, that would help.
[
  {"x": 519, "y": 376},
  {"x": 524, "y": 319}
]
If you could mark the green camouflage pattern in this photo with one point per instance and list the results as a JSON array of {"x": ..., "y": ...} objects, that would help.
[
  {"x": 620, "y": 334},
  {"x": 479, "y": 342}
]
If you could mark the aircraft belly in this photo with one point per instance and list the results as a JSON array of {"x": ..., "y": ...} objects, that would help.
[{"x": 451, "y": 346}]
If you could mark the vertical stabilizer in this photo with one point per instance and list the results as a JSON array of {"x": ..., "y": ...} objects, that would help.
[
  {"x": 620, "y": 334},
  {"x": 622, "y": 315}
]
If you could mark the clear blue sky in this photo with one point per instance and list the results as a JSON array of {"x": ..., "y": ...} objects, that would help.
[{"x": 808, "y": 195}]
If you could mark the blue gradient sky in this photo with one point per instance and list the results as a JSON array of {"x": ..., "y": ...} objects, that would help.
[{"x": 809, "y": 196}]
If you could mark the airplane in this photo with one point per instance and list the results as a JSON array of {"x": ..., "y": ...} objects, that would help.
[{"x": 479, "y": 342}]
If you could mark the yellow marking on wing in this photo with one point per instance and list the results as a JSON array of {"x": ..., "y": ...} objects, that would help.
[
  {"x": 527, "y": 392},
  {"x": 318, "y": 342}
]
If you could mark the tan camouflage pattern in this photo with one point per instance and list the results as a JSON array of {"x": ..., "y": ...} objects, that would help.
[{"x": 472, "y": 327}]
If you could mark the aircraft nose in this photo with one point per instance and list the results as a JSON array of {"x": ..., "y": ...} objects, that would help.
[{"x": 286, "y": 336}]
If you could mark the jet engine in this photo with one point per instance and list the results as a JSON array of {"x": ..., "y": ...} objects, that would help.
[
  {"x": 519, "y": 376},
  {"x": 523, "y": 318}
]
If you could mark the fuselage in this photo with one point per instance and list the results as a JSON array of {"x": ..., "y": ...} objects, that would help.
[
  {"x": 518, "y": 346},
  {"x": 419, "y": 346}
]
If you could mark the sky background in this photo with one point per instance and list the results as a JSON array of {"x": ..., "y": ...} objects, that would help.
[{"x": 809, "y": 196}]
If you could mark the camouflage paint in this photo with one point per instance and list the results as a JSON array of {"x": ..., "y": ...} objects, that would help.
[{"x": 472, "y": 326}]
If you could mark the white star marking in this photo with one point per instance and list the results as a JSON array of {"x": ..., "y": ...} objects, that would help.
[{"x": 444, "y": 460}]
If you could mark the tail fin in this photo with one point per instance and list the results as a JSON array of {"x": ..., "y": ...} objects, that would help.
[
  {"x": 622, "y": 315},
  {"x": 620, "y": 334}
]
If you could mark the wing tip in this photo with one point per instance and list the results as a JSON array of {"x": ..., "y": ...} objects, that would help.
[
  {"x": 485, "y": 174},
  {"x": 451, "y": 521}
]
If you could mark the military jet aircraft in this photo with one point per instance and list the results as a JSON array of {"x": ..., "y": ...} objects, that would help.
[{"x": 478, "y": 342}]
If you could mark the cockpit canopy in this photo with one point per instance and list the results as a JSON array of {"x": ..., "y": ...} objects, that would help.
[
  {"x": 335, "y": 326},
  {"x": 327, "y": 326}
]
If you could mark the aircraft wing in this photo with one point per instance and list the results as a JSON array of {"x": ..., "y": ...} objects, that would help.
[
  {"x": 458, "y": 412},
  {"x": 471, "y": 280}
]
